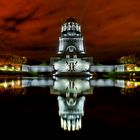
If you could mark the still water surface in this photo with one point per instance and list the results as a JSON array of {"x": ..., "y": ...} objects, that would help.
[{"x": 72, "y": 106}]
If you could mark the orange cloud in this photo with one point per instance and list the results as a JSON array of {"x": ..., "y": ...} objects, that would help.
[{"x": 112, "y": 27}]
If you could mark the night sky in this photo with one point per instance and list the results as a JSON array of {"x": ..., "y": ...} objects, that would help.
[{"x": 111, "y": 28}]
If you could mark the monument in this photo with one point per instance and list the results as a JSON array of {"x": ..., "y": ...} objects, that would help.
[{"x": 71, "y": 57}]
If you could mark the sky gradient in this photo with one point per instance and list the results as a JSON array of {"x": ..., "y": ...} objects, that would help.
[{"x": 111, "y": 28}]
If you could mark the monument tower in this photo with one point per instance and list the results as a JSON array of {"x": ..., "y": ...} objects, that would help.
[{"x": 71, "y": 57}]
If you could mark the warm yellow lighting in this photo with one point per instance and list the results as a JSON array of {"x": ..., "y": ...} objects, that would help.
[
  {"x": 77, "y": 124},
  {"x": 69, "y": 125},
  {"x": 136, "y": 84},
  {"x": 128, "y": 83},
  {"x": 73, "y": 127},
  {"x": 134, "y": 79},
  {"x": 5, "y": 67},
  {"x": 12, "y": 68},
  {"x": 127, "y": 68},
  {"x": 134, "y": 74},
  {"x": 5, "y": 84},
  {"x": 12, "y": 83},
  {"x": 62, "y": 123},
  {"x": 18, "y": 82}
]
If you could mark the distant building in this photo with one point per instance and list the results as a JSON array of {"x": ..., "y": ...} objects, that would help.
[
  {"x": 12, "y": 62},
  {"x": 37, "y": 68},
  {"x": 125, "y": 67},
  {"x": 71, "y": 100}
]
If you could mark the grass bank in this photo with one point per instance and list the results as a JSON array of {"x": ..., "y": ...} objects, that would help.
[{"x": 123, "y": 75}]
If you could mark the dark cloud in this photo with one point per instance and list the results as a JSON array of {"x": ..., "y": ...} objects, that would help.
[
  {"x": 32, "y": 27},
  {"x": 43, "y": 30},
  {"x": 30, "y": 48}
]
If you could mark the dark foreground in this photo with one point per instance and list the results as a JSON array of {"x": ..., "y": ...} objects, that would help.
[{"x": 108, "y": 114}]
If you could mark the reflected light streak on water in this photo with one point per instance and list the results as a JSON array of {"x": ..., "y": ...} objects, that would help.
[{"x": 72, "y": 94}]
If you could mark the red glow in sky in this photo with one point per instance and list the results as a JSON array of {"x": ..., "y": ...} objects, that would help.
[{"x": 31, "y": 27}]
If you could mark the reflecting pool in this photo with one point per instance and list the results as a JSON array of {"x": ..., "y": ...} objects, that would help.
[{"x": 72, "y": 106}]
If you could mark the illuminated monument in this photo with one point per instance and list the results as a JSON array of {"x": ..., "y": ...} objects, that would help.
[
  {"x": 71, "y": 59},
  {"x": 71, "y": 99}
]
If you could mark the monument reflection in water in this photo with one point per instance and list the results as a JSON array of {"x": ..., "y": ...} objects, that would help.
[
  {"x": 71, "y": 93},
  {"x": 71, "y": 98}
]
